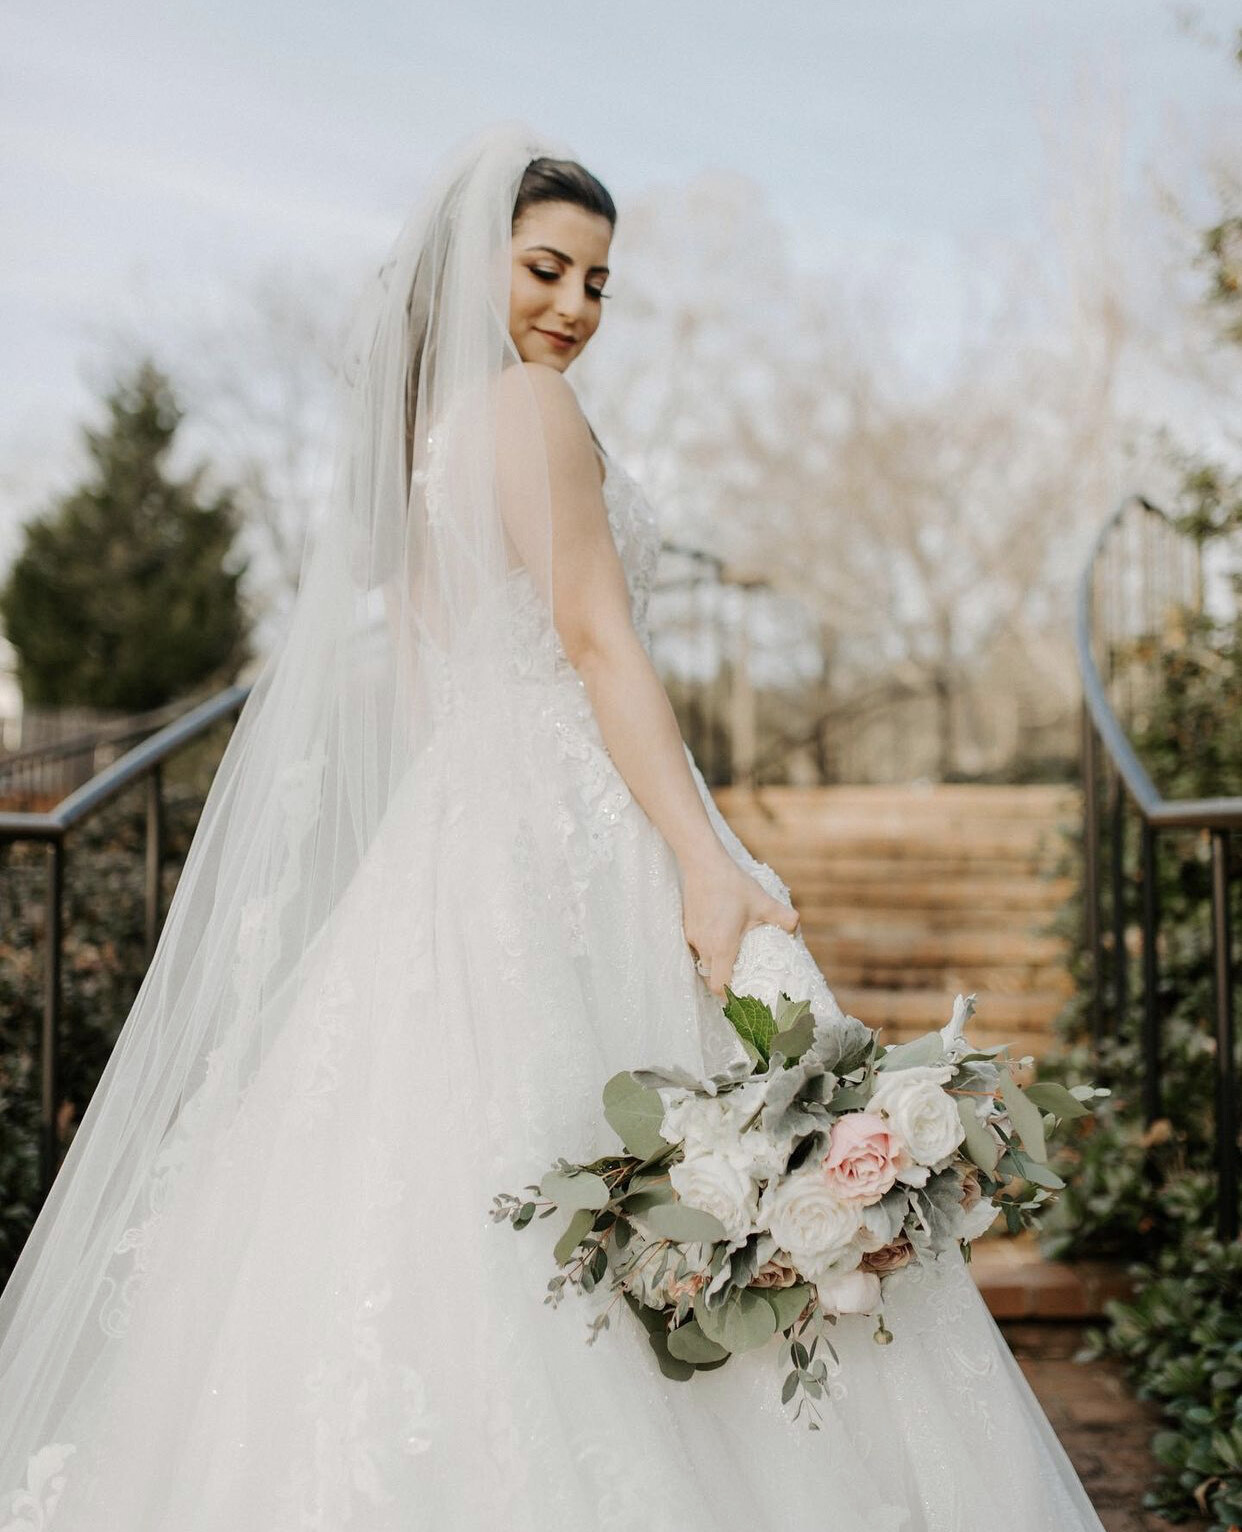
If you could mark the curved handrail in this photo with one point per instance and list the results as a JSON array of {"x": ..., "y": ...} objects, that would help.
[
  {"x": 1180, "y": 813},
  {"x": 1218, "y": 816},
  {"x": 52, "y": 828},
  {"x": 52, "y": 824}
]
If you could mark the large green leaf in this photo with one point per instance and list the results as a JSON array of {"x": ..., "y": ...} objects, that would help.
[
  {"x": 752, "y": 1021},
  {"x": 683, "y": 1223},
  {"x": 981, "y": 1145},
  {"x": 576, "y": 1230},
  {"x": 671, "y": 1366},
  {"x": 744, "y": 1320},
  {"x": 635, "y": 1112},
  {"x": 1025, "y": 1117},
  {"x": 787, "y": 1302},
  {"x": 1032, "y": 1170},
  {"x": 641, "y": 1202},
  {"x": 689, "y": 1344},
  {"x": 1048, "y": 1096},
  {"x": 650, "y": 1319},
  {"x": 581, "y": 1191}
]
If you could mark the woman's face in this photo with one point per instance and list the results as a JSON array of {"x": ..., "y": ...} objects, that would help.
[{"x": 560, "y": 255}]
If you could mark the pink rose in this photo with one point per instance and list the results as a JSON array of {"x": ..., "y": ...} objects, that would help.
[
  {"x": 863, "y": 1157},
  {"x": 888, "y": 1257},
  {"x": 775, "y": 1273}
]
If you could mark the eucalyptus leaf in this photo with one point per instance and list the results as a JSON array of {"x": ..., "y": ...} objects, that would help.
[
  {"x": 688, "y": 1343},
  {"x": 1034, "y": 1171},
  {"x": 576, "y": 1230},
  {"x": 744, "y": 1320},
  {"x": 681, "y": 1222},
  {"x": 981, "y": 1145},
  {"x": 640, "y": 1203},
  {"x": 581, "y": 1191},
  {"x": 635, "y": 1113},
  {"x": 1024, "y": 1115},
  {"x": 650, "y": 1319},
  {"x": 671, "y": 1366},
  {"x": 1048, "y": 1096},
  {"x": 787, "y": 1302}
]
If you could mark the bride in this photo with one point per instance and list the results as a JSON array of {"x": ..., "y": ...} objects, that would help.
[{"x": 457, "y": 867}]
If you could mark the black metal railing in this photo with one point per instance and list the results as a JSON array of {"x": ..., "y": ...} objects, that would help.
[
  {"x": 142, "y": 763},
  {"x": 54, "y": 768},
  {"x": 1140, "y": 572}
]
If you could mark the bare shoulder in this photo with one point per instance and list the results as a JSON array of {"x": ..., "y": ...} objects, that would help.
[{"x": 534, "y": 388}]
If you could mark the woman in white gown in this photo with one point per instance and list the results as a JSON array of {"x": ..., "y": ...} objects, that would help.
[{"x": 453, "y": 873}]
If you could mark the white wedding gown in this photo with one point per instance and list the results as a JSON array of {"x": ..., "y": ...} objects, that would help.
[{"x": 318, "y": 1327}]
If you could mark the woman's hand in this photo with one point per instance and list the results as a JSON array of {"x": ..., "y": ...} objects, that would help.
[{"x": 720, "y": 903}]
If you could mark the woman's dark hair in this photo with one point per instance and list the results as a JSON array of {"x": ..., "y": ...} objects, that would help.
[
  {"x": 543, "y": 180},
  {"x": 548, "y": 180}
]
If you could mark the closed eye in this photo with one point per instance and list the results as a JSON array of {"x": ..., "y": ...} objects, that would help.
[{"x": 551, "y": 276}]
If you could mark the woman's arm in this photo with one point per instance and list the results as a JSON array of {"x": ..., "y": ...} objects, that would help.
[{"x": 591, "y": 611}]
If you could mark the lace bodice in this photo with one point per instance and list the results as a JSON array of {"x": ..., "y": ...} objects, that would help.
[{"x": 636, "y": 532}]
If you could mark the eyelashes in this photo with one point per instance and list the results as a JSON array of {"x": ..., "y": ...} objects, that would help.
[{"x": 551, "y": 276}]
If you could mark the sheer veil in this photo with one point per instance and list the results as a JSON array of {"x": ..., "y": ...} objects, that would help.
[{"x": 398, "y": 662}]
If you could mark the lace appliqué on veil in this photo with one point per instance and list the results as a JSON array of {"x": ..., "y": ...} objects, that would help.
[{"x": 30, "y": 1508}]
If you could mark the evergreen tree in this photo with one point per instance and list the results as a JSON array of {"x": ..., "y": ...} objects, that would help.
[{"x": 123, "y": 594}]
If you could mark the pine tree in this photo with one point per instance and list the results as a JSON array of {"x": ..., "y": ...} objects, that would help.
[{"x": 123, "y": 594}]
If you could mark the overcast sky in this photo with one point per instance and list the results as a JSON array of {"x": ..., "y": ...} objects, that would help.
[{"x": 158, "y": 147}]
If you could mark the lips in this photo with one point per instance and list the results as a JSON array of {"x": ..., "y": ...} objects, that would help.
[{"x": 561, "y": 340}]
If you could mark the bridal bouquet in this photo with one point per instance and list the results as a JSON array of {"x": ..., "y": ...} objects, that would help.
[{"x": 775, "y": 1196}]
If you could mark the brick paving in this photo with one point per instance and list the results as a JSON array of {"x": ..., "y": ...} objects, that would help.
[{"x": 1104, "y": 1429}]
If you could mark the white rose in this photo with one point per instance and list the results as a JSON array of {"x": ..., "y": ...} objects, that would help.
[
  {"x": 850, "y": 1292},
  {"x": 758, "y": 1154},
  {"x": 805, "y": 1218},
  {"x": 708, "y": 1124},
  {"x": 713, "y": 1183},
  {"x": 922, "y": 1114}
]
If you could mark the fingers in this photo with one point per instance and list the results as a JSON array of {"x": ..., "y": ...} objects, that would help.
[
  {"x": 722, "y": 970},
  {"x": 781, "y": 914}
]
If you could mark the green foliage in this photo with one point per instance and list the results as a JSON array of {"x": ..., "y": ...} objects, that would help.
[
  {"x": 123, "y": 594},
  {"x": 1180, "y": 1338},
  {"x": 1130, "y": 1184},
  {"x": 1149, "y": 1191},
  {"x": 103, "y": 965}
]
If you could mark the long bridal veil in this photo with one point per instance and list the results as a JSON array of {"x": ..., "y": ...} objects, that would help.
[{"x": 396, "y": 664}]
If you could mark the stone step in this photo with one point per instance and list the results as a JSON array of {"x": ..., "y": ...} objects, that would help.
[
  {"x": 999, "y": 981},
  {"x": 911, "y": 1012},
  {"x": 1022, "y": 798},
  {"x": 923, "y": 863},
  {"x": 824, "y": 895},
  {"x": 1017, "y": 1283},
  {"x": 909, "y": 942}
]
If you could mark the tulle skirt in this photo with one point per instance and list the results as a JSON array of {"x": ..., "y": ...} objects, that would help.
[{"x": 324, "y": 1330}]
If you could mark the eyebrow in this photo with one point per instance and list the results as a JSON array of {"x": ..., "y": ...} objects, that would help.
[{"x": 568, "y": 259}]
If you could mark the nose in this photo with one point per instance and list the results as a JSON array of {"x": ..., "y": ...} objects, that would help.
[{"x": 569, "y": 303}]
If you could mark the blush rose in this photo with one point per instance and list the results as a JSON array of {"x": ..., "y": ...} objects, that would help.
[{"x": 864, "y": 1156}]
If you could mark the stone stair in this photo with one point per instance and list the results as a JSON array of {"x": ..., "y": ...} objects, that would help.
[{"x": 910, "y": 895}]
